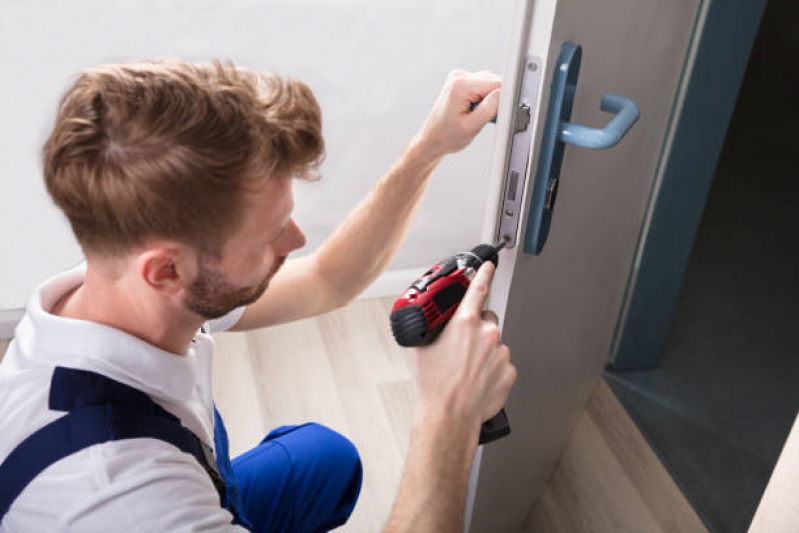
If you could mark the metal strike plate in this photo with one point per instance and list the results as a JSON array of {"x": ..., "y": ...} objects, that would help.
[{"x": 516, "y": 170}]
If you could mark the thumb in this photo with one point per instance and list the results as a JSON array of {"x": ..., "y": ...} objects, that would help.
[{"x": 477, "y": 293}]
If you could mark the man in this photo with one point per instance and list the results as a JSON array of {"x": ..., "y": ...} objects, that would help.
[{"x": 176, "y": 180}]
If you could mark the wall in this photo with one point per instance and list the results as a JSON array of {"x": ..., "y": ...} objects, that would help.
[{"x": 376, "y": 68}]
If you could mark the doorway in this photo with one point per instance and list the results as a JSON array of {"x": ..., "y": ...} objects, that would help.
[{"x": 722, "y": 402}]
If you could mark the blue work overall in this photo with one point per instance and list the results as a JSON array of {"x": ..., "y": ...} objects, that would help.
[{"x": 299, "y": 478}]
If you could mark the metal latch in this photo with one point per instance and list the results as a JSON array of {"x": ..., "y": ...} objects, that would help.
[{"x": 522, "y": 118}]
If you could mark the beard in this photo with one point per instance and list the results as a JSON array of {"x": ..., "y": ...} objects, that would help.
[{"x": 211, "y": 295}]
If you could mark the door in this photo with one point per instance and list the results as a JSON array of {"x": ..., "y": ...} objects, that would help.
[{"x": 561, "y": 283}]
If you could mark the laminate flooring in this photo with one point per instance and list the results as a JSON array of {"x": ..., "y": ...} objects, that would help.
[
  {"x": 343, "y": 370},
  {"x": 609, "y": 480}
]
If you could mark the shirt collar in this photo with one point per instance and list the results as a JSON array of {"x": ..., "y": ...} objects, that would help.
[{"x": 91, "y": 346}]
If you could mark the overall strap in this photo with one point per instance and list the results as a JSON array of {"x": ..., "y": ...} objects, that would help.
[{"x": 99, "y": 409}]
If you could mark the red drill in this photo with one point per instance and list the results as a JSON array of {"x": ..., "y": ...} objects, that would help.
[{"x": 425, "y": 307}]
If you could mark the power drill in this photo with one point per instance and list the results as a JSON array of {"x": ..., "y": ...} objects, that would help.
[{"x": 419, "y": 315}]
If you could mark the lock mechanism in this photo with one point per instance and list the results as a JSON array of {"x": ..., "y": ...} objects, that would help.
[{"x": 516, "y": 169}]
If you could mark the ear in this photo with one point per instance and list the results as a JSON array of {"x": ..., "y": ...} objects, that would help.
[{"x": 167, "y": 268}]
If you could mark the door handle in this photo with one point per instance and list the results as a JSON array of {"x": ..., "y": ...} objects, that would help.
[
  {"x": 627, "y": 114},
  {"x": 558, "y": 132}
]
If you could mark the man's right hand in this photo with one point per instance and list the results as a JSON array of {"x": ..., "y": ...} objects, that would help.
[
  {"x": 463, "y": 379},
  {"x": 465, "y": 376}
]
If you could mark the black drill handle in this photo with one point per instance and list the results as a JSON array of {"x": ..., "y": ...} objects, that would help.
[{"x": 495, "y": 428}]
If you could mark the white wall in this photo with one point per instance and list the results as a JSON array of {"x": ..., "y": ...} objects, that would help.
[{"x": 376, "y": 68}]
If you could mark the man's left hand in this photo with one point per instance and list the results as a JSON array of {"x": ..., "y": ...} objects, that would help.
[{"x": 452, "y": 125}]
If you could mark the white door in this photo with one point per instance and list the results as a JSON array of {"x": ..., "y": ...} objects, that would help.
[{"x": 559, "y": 308}]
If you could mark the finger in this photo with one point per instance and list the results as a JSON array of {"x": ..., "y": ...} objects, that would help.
[
  {"x": 486, "y": 75},
  {"x": 490, "y": 316},
  {"x": 488, "y": 107},
  {"x": 476, "y": 295},
  {"x": 477, "y": 88}
]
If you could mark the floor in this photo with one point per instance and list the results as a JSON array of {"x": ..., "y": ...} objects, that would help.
[
  {"x": 724, "y": 399},
  {"x": 609, "y": 480},
  {"x": 343, "y": 370}
]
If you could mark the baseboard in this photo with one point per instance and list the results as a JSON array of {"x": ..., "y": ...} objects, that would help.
[{"x": 9, "y": 318}]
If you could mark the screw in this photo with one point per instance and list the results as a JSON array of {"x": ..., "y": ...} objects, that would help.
[
  {"x": 508, "y": 213},
  {"x": 532, "y": 67}
]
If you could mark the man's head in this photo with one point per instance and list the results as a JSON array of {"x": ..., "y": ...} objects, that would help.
[
  {"x": 174, "y": 163},
  {"x": 250, "y": 257}
]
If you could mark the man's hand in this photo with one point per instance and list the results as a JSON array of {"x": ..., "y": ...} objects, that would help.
[
  {"x": 464, "y": 378},
  {"x": 452, "y": 125},
  {"x": 466, "y": 373}
]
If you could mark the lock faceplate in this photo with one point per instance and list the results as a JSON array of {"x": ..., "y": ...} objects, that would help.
[{"x": 516, "y": 169}]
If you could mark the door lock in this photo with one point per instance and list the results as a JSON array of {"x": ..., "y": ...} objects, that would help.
[{"x": 521, "y": 141}]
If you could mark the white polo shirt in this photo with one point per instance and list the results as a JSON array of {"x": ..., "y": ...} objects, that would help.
[{"x": 131, "y": 485}]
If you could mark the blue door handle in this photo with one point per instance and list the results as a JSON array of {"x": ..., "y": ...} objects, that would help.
[
  {"x": 558, "y": 132},
  {"x": 627, "y": 114}
]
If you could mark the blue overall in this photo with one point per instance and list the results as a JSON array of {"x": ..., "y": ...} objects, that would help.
[{"x": 299, "y": 478}]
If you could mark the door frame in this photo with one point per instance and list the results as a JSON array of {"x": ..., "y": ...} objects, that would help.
[{"x": 701, "y": 117}]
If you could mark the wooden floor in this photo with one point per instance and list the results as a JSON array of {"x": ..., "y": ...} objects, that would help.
[
  {"x": 609, "y": 480},
  {"x": 345, "y": 371}
]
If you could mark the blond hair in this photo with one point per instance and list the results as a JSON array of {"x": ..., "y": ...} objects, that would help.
[{"x": 167, "y": 149}]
